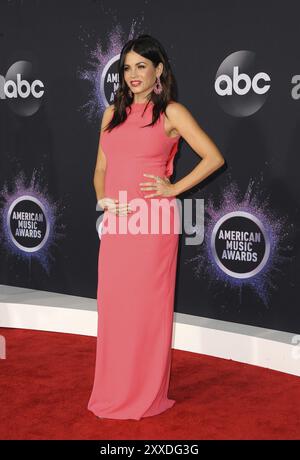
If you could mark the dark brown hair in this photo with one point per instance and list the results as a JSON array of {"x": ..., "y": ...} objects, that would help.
[{"x": 150, "y": 48}]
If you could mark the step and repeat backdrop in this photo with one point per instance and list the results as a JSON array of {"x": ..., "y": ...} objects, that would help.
[{"x": 237, "y": 69}]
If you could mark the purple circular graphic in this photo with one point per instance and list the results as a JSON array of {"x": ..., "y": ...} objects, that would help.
[
  {"x": 240, "y": 244},
  {"x": 27, "y": 223}
]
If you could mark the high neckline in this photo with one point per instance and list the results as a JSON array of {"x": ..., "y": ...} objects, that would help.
[{"x": 141, "y": 104}]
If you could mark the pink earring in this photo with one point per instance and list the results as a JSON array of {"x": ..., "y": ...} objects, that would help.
[{"x": 158, "y": 87}]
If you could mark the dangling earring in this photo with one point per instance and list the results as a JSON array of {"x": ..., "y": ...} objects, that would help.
[
  {"x": 130, "y": 92},
  {"x": 158, "y": 87}
]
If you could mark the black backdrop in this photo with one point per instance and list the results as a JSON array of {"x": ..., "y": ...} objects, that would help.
[{"x": 49, "y": 141}]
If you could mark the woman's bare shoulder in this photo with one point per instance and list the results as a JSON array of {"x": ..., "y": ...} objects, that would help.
[
  {"x": 109, "y": 110},
  {"x": 107, "y": 116},
  {"x": 175, "y": 106},
  {"x": 176, "y": 111}
]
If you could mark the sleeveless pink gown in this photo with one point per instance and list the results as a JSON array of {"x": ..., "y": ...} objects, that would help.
[{"x": 136, "y": 280}]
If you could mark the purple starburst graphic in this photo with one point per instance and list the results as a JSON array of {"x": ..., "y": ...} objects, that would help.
[
  {"x": 97, "y": 62},
  {"x": 52, "y": 211},
  {"x": 278, "y": 229}
]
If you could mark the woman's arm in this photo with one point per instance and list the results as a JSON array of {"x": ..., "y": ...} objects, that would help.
[
  {"x": 106, "y": 203},
  {"x": 212, "y": 159},
  {"x": 99, "y": 175}
]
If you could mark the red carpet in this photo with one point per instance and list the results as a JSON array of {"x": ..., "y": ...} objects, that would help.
[{"x": 47, "y": 377}]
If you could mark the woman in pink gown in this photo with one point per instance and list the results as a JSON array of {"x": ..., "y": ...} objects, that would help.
[{"x": 137, "y": 271}]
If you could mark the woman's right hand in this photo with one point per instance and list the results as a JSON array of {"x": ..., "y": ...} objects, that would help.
[{"x": 113, "y": 206}]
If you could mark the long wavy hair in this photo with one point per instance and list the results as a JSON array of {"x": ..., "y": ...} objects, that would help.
[{"x": 150, "y": 48}]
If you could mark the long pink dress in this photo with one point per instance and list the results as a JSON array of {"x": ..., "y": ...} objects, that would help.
[{"x": 136, "y": 279}]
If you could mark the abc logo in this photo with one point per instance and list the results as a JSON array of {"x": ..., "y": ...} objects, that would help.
[
  {"x": 243, "y": 77},
  {"x": 21, "y": 89},
  {"x": 240, "y": 85}
]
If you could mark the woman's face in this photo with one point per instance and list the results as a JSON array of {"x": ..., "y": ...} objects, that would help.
[{"x": 140, "y": 74}]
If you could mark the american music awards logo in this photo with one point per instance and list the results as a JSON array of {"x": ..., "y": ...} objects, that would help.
[
  {"x": 245, "y": 242},
  {"x": 240, "y": 244},
  {"x": 30, "y": 220},
  {"x": 28, "y": 223}
]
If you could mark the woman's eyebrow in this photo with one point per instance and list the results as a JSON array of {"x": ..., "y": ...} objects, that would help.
[{"x": 142, "y": 62}]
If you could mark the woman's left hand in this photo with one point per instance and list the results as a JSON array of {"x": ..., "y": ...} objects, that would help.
[{"x": 161, "y": 185}]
